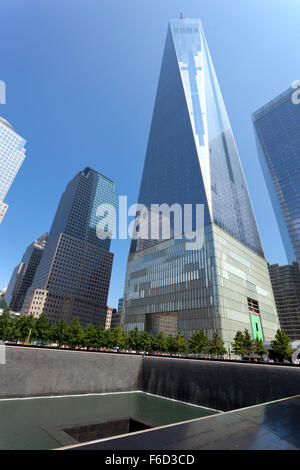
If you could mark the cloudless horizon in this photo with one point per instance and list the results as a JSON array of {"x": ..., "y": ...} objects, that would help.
[{"x": 81, "y": 81}]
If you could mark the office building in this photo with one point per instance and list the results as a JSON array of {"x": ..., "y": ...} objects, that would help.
[
  {"x": 116, "y": 315},
  {"x": 12, "y": 154},
  {"x": 23, "y": 274},
  {"x": 115, "y": 320},
  {"x": 286, "y": 287},
  {"x": 277, "y": 132},
  {"x": 2, "y": 291},
  {"x": 109, "y": 314},
  {"x": 120, "y": 304},
  {"x": 192, "y": 158},
  {"x": 2, "y": 300},
  {"x": 11, "y": 285},
  {"x": 73, "y": 277}
]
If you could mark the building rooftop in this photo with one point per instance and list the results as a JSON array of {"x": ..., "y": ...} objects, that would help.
[
  {"x": 4, "y": 121},
  {"x": 272, "y": 103},
  {"x": 88, "y": 169}
]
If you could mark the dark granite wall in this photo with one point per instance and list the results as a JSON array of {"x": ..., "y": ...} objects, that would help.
[
  {"x": 220, "y": 385},
  {"x": 215, "y": 384}
]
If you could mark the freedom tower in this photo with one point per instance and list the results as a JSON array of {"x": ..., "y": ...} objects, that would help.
[{"x": 224, "y": 285}]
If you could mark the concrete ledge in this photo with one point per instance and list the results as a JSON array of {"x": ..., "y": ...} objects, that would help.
[{"x": 30, "y": 372}]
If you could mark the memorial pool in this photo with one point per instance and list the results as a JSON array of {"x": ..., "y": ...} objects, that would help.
[{"x": 40, "y": 423}]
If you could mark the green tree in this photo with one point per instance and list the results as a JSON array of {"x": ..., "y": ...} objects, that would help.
[
  {"x": 101, "y": 338},
  {"x": 248, "y": 344},
  {"x": 216, "y": 345},
  {"x": 171, "y": 345},
  {"x": 42, "y": 328},
  {"x": 259, "y": 348},
  {"x": 281, "y": 345},
  {"x": 15, "y": 332},
  {"x": 5, "y": 324},
  {"x": 10, "y": 330},
  {"x": 238, "y": 344},
  {"x": 53, "y": 333},
  {"x": 32, "y": 327},
  {"x": 243, "y": 343},
  {"x": 75, "y": 333},
  {"x": 119, "y": 338},
  {"x": 23, "y": 327},
  {"x": 146, "y": 341},
  {"x": 134, "y": 341},
  {"x": 109, "y": 339},
  {"x": 181, "y": 343},
  {"x": 90, "y": 336},
  {"x": 61, "y": 332},
  {"x": 198, "y": 342},
  {"x": 160, "y": 343}
]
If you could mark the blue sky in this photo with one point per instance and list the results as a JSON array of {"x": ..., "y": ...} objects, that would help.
[{"x": 81, "y": 78}]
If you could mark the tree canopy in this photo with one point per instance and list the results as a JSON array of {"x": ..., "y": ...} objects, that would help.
[
  {"x": 243, "y": 343},
  {"x": 216, "y": 345},
  {"x": 281, "y": 345},
  {"x": 198, "y": 343},
  {"x": 27, "y": 328}
]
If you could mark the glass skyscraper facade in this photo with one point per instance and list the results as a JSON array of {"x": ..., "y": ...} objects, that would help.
[
  {"x": 286, "y": 287},
  {"x": 277, "y": 133},
  {"x": 73, "y": 277},
  {"x": 12, "y": 154},
  {"x": 23, "y": 274},
  {"x": 192, "y": 158}
]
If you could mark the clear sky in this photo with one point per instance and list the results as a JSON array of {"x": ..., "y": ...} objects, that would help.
[{"x": 81, "y": 78}]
